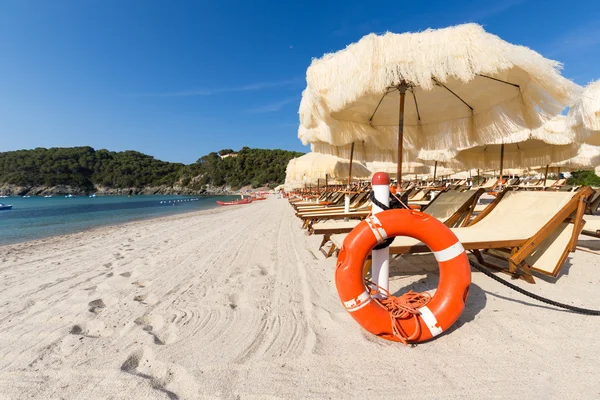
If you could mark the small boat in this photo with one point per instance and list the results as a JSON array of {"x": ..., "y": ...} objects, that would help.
[
  {"x": 26, "y": 197},
  {"x": 92, "y": 195},
  {"x": 47, "y": 196},
  {"x": 69, "y": 196},
  {"x": 234, "y": 202},
  {"x": 5, "y": 207},
  {"x": 3, "y": 197}
]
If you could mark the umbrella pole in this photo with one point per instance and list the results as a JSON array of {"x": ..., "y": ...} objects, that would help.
[
  {"x": 318, "y": 190},
  {"x": 434, "y": 171},
  {"x": 501, "y": 162},
  {"x": 326, "y": 182},
  {"x": 402, "y": 90},
  {"x": 546, "y": 174},
  {"x": 347, "y": 196}
]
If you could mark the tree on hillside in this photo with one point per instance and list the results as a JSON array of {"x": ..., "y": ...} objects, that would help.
[{"x": 84, "y": 167}]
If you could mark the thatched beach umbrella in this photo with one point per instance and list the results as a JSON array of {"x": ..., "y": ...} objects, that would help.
[
  {"x": 584, "y": 116},
  {"x": 587, "y": 158},
  {"x": 528, "y": 153},
  {"x": 548, "y": 144},
  {"x": 409, "y": 167},
  {"x": 465, "y": 88},
  {"x": 312, "y": 167}
]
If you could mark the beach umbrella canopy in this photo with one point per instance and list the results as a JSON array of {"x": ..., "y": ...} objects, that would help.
[
  {"x": 363, "y": 151},
  {"x": 529, "y": 153},
  {"x": 314, "y": 167},
  {"x": 451, "y": 88},
  {"x": 548, "y": 144},
  {"x": 588, "y": 157},
  {"x": 584, "y": 116},
  {"x": 464, "y": 174},
  {"x": 408, "y": 167}
]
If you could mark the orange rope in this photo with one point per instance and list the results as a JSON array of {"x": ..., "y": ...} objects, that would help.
[{"x": 403, "y": 307}]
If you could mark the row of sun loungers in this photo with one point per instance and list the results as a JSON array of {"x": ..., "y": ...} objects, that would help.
[{"x": 528, "y": 230}]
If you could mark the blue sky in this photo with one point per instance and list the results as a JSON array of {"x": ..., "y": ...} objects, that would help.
[{"x": 179, "y": 79}]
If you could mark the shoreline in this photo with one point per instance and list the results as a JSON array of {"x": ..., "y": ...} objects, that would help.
[{"x": 113, "y": 225}]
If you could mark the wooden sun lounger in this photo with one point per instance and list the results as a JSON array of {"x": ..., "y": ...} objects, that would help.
[
  {"x": 308, "y": 221},
  {"x": 360, "y": 203},
  {"x": 592, "y": 226},
  {"x": 336, "y": 201},
  {"x": 452, "y": 208},
  {"x": 593, "y": 202},
  {"x": 530, "y": 230},
  {"x": 331, "y": 198}
]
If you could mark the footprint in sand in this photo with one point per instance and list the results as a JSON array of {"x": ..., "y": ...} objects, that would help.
[
  {"x": 94, "y": 329},
  {"x": 125, "y": 274},
  {"x": 141, "y": 284},
  {"x": 97, "y": 306},
  {"x": 147, "y": 298},
  {"x": 172, "y": 379},
  {"x": 232, "y": 301},
  {"x": 107, "y": 265},
  {"x": 163, "y": 332}
]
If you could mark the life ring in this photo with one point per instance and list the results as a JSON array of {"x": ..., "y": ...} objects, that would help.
[{"x": 445, "y": 306}]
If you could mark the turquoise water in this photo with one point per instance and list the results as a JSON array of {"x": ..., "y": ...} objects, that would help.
[{"x": 39, "y": 217}]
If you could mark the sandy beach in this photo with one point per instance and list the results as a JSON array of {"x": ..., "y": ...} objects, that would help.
[{"x": 237, "y": 303}]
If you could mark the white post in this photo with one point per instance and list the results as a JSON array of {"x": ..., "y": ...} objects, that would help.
[
  {"x": 346, "y": 205},
  {"x": 380, "y": 266}
]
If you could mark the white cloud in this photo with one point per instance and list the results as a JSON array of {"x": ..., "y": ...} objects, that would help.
[
  {"x": 272, "y": 107},
  {"x": 231, "y": 89}
]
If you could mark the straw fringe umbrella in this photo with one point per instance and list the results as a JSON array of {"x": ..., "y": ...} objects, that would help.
[
  {"x": 455, "y": 88},
  {"x": 584, "y": 116},
  {"x": 311, "y": 168},
  {"x": 588, "y": 157}
]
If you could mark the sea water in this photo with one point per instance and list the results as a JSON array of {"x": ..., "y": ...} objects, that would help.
[{"x": 38, "y": 217}]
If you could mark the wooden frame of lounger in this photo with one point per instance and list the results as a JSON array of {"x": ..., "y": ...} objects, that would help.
[
  {"x": 464, "y": 211},
  {"x": 594, "y": 201},
  {"x": 358, "y": 203},
  {"x": 338, "y": 200},
  {"x": 332, "y": 197},
  {"x": 517, "y": 251}
]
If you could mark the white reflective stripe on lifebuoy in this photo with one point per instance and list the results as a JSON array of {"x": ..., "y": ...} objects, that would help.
[
  {"x": 451, "y": 252},
  {"x": 377, "y": 228},
  {"x": 356, "y": 304},
  {"x": 430, "y": 320}
]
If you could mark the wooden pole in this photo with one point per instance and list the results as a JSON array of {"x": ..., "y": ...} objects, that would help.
[
  {"x": 402, "y": 89},
  {"x": 501, "y": 161},
  {"x": 434, "y": 171},
  {"x": 326, "y": 182},
  {"x": 351, "y": 161},
  {"x": 546, "y": 174}
]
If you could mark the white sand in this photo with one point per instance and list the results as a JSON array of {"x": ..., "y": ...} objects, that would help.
[{"x": 237, "y": 303}]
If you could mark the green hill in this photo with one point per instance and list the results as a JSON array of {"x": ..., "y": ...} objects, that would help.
[{"x": 85, "y": 169}]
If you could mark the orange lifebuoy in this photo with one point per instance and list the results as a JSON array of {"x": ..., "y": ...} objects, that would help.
[{"x": 445, "y": 306}]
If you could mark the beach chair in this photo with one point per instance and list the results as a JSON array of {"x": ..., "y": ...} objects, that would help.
[
  {"x": 357, "y": 201},
  {"x": 326, "y": 199},
  {"x": 592, "y": 226},
  {"x": 451, "y": 207},
  {"x": 593, "y": 201},
  {"x": 334, "y": 201},
  {"x": 532, "y": 230}
]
